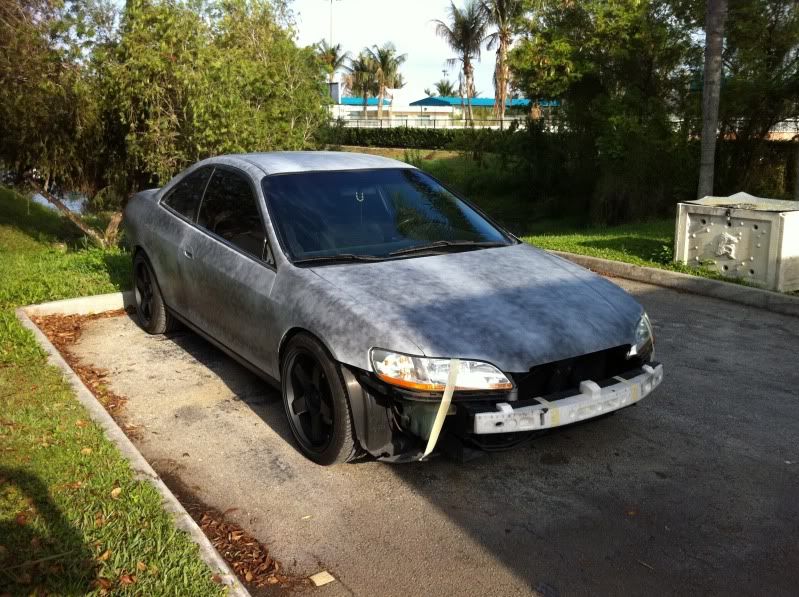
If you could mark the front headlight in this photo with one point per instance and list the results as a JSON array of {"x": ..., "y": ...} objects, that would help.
[
  {"x": 430, "y": 375},
  {"x": 644, "y": 339}
]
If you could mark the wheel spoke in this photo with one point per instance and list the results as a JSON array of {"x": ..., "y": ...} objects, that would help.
[
  {"x": 325, "y": 412},
  {"x": 317, "y": 376},
  {"x": 299, "y": 406},
  {"x": 303, "y": 377},
  {"x": 316, "y": 428}
]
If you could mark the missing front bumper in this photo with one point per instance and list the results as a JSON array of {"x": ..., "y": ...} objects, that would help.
[{"x": 594, "y": 399}]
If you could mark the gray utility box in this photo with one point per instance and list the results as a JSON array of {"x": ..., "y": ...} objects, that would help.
[{"x": 741, "y": 236}]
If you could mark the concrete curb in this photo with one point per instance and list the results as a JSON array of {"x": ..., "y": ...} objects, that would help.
[
  {"x": 727, "y": 291},
  {"x": 141, "y": 468}
]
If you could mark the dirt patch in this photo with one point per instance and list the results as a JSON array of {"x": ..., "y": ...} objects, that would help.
[{"x": 248, "y": 557}]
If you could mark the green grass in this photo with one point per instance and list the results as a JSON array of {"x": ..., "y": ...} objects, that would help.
[
  {"x": 649, "y": 244},
  {"x": 63, "y": 526}
]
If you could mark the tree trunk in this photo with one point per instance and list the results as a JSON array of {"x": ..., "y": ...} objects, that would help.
[
  {"x": 501, "y": 77},
  {"x": 85, "y": 228},
  {"x": 715, "y": 16},
  {"x": 468, "y": 75},
  {"x": 796, "y": 172},
  {"x": 112, "y": 230},
  {"x": 380, "y": 101}
]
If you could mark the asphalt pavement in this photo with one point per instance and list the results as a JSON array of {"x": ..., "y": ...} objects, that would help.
[{"x": 693, "y": 490}]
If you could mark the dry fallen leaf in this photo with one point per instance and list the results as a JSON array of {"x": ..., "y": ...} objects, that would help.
[
  {"x": 105, "y": 555},
  {"x": 86, "y": 451},
  {"x": 127, "y": 579},
  {"x": 141, "y": 566},
  {"x": 115, "y": 492},
  {"x": 22, "y": 520},
  {"x": 81, "y": 423},
  {"x": 103, "y": 583}
]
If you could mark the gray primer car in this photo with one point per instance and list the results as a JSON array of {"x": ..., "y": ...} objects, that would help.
[{"x": 394, "y": 316}]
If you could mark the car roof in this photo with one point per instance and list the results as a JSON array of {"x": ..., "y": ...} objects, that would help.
[{"x": 281, "y": 162}]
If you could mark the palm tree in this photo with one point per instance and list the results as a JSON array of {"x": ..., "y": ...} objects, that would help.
[
  {"x": 332, "y": 57},
  {"x": 445, "y": 88},
  {"x": 361, "y": 78},
  {"x": 465, "y": 33},
  {"x": 386, "y": 64},
  {"x": 501, "y": 14}
]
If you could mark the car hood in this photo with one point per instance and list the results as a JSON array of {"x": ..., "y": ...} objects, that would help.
[{"x": 514, "y": 306}]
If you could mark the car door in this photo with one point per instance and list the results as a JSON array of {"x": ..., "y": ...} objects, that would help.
[
  {"x": 232, "y": 269},
  {"x": 181, "y": 203}
]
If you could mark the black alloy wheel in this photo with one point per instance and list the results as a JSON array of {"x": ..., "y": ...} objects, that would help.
[
  {"x": 151, "y": 311},
  {"x": 316, "y": 402}
]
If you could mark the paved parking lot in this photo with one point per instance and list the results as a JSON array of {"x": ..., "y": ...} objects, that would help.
[{"x": 694, "y": 490}]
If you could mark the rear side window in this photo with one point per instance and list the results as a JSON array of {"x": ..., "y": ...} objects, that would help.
[
  {"x": 229, "y": 211},
  {"x": 186, "y": 196}
]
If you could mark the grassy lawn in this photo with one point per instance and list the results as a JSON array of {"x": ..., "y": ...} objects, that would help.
[
  {"x": 72, "y": 517},
  {"x": 650, "y": 243}
]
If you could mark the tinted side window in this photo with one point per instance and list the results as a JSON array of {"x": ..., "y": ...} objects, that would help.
[
  {"x": 229, "y": 210},
  {"x": 185, "y": 197}
]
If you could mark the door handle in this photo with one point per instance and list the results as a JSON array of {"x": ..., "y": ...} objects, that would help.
[{"x": 188, "y": 254}]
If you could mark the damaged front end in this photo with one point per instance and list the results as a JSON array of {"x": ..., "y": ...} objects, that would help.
[{"x": 395, "y": 424}]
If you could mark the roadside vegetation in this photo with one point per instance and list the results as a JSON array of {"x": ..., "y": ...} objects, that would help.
[{"x": 72, "y": 517}]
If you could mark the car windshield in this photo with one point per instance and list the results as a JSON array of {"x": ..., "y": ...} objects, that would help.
[{"x": 367, "y": 214}]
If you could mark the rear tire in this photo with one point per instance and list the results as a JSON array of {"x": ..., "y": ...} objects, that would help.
[
  {"x": 151, "y": 312},
  {"x": 316, "y": 402}
]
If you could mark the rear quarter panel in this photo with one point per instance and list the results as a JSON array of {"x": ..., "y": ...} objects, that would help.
[{"x": 157, "y": 232}]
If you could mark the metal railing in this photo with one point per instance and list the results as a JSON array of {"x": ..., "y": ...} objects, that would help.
[{"x": 429, "y": 123}]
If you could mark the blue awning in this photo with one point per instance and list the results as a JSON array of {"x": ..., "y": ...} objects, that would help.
[{"x": 480, "y": 102}]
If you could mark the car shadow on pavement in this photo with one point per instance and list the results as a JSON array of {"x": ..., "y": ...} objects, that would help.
[
  {"x": 245, "y": 386},
  {"x": 41, "y": 551},
  {"x": 688, "y": 492}
]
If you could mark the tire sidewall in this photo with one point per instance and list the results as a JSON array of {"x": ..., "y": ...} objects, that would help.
[
  {"x": 158, "y": 322},
  {"x": 340, "y": 448}
]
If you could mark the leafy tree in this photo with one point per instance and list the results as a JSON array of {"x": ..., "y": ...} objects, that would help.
[
  {"x": 183, "y": 83},
  {"x": 333, "y": 57},
  {"x": 49, "y": 116},
  {"x": 386, "y": 63},
  {"x": 502, "y": 14},
  {"x": 622, "y": 70},
  {"x": 465, "y": 32},
  {"x": 760, "y": 89}
]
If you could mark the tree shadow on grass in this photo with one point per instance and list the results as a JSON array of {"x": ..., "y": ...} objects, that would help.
[
  {"x": 649, "y": 249},
  {"x": 55, "y": 560},
  {"x": 36, "y": 221},
  {"x": 120, "y": 269}
]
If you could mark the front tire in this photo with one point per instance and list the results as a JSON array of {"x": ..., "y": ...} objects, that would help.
[
  {"x": 151, "y": 311},
  {"x": 316, "y": 402}
]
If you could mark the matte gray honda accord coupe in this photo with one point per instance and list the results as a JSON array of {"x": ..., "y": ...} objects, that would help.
[{"x": 396, "y": 318}]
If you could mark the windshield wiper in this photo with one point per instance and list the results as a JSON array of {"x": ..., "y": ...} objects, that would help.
[
  {"x": 339, "y": 258},
  {"x": 440, "y": 245}
]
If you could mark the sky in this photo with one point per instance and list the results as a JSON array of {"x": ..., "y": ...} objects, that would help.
[{"x": 406, "y": 23}]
